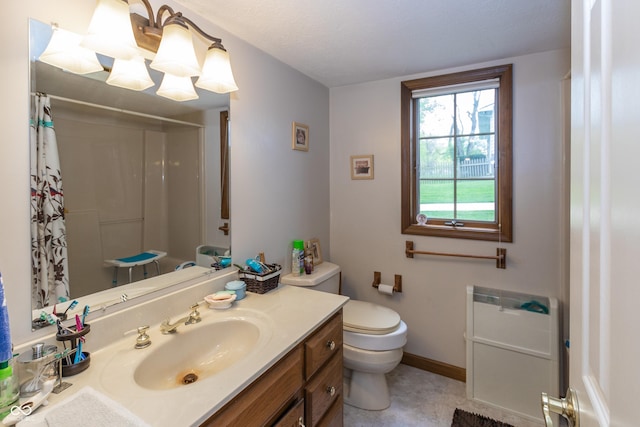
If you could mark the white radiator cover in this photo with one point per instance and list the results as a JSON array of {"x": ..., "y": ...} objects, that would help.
[{"x": 512, "y": 353}]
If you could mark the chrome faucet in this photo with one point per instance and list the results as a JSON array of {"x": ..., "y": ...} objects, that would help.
[{"x": 167, "y": 327}]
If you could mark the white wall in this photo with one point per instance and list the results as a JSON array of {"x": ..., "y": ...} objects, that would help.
[
  {"x": 365, "y": 215},
  {"x": 276, "y": 194}
]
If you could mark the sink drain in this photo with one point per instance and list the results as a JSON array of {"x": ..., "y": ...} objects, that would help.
[{"x": 189, "y": 378}]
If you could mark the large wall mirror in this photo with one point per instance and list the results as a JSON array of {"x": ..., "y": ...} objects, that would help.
[{"x": 140, "y": 174}]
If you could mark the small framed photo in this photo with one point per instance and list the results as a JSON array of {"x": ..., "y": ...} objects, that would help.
[
  {"x": 362, "y": 167},
  {"x": 300, "y": 137},
  {"x": 314, "y": 246}
]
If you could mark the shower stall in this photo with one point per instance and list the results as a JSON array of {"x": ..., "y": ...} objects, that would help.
[{"x": 131, "y": 183}]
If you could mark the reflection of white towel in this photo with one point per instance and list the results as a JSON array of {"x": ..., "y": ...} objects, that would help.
[{"x": 85, "y": 408}]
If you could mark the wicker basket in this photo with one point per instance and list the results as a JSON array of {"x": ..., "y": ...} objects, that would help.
[{"x": 261, "y": 283}]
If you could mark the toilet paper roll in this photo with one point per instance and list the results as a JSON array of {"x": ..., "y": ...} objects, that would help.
[{"x": 385, "y": 289}]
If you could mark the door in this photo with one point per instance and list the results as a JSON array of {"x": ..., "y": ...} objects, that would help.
[{"x": 605, "y": 204}]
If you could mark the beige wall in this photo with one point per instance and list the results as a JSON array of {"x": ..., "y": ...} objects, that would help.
[{"x": 365, "y": 215}]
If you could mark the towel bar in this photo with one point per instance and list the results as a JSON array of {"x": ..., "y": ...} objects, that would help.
[{"x": 500, "y": 257}]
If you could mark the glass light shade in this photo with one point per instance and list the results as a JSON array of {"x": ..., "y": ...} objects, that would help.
[
  {"x": 177, "y": 88},
  {"x": 216, "y": 72},
  {"x": 110, "y": 32},
  {"x": 64, "y": 51},
  {"x": 176, "y": 54},
  {"x": 130, "y": 74}
]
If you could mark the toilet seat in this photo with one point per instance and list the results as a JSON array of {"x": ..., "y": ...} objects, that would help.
[
  {"x": 367, "y": 318},
  {"x": 391, "y": 341},
  {"x": 373, "y": 327},
  {"x": 371, "y": 361}
]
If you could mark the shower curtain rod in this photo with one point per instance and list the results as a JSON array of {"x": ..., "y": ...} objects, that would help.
[{"x": 120, "y": 110}]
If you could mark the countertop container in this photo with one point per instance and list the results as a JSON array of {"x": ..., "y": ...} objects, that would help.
[{"x": 238, "y": 286}]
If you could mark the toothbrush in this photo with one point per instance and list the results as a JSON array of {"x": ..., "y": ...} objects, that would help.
[
  {"x": 72, "y": 305},
  {"x": 66, "y": 353},
  {"x": 85, "y": 312},
  {"x": 70, "y": 331},
  {"x": 79, "y": 355},
  {"x": 49, "y": 318},
  {"x": 78, "y": 323}
]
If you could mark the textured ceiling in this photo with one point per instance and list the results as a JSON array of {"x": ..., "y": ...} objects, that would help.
[{"x": 341, "y": 42}]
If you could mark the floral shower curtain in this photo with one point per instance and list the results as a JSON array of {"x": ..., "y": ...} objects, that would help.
[{"x": 50, "y": 272}]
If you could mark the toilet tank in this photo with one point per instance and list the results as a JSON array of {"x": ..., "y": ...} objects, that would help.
[{"x": 325, "y": 278}]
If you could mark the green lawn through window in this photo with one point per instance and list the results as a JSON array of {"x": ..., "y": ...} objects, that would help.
[{"x": 469, "y": 191}]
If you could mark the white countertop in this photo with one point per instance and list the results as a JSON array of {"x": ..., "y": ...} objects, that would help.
[{"x": 290, "y": 313}]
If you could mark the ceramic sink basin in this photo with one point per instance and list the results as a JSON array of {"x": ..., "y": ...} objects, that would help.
[{"x": 196, "y": 352}]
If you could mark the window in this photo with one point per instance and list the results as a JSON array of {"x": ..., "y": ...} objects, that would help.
[{"x": 456, "y": 154}]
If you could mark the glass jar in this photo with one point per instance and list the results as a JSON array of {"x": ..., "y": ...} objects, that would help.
[{"x": 9, "y": 387}]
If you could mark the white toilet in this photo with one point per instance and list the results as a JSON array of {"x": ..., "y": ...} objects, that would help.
[{"x": 373, "y": 339}]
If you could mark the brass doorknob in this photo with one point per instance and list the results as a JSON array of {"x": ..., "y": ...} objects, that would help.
[{"x": 567, "y": 407}]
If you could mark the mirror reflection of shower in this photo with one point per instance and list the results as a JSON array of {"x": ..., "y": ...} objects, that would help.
[
  {"x": 130, "y": 186},
  {"x": 140, "y": 172}
]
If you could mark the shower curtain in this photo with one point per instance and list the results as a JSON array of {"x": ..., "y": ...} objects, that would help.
[{"x": 50, "y": 280}]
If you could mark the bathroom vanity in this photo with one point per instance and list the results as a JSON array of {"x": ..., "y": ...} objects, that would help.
[
  {"x": 270, "y": 359},
  {"x": 303, "y": 388}
]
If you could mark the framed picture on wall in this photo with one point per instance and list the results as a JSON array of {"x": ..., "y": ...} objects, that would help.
[
  {"x": 362, "y": 167},
  {"x": 313, "y": 245},
  {"x": 300, "y": 137}
]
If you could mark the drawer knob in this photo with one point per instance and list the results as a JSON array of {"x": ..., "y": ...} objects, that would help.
[
  {"x": 331, "y": 345},
  {"x": 301, "y": 422},
  {"x": 331, "y": 390}
]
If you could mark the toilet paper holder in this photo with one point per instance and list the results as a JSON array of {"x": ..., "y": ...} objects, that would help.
[{"x": 397, "y": 284}]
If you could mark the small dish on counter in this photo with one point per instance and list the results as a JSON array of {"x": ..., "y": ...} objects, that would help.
[{"x": 220, "y": 301}]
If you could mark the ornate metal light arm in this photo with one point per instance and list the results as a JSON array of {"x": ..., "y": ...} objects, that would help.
[{"x": 148, "y": 31}]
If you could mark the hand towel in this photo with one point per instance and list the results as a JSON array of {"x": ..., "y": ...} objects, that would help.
[{"x": 87, "y": 407}]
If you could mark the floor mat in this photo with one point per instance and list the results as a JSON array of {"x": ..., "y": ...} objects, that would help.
[{"x": 467, "y": 419}]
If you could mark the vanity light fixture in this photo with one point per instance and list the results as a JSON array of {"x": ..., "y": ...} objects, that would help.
[
  {"x": 110, "y": 32},
  {"x": 216, "y": 72},
  {"x": 172, "y": 40},
  {"x": 177, "y": 88},
  {"x": 116, "y": 32},
  {"x": 130, "y": 74},
  {"x": 176, "y": 54},
  {"x": 64, "y": 51}
]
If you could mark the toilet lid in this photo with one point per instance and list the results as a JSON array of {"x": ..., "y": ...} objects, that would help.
[{"x": 367, "y": 318}]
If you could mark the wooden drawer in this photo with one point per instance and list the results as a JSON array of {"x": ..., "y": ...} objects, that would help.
[
  {"x": 294, "y": 417},
  {"x": 323, "y": 344},
  {"x": 323, "y": 390},
  {"x": 265, "y": 398},
  {"x": 334, "y": 416}
]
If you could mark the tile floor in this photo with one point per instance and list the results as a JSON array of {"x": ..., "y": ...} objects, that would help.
[{"x": 424, "y": 399}]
